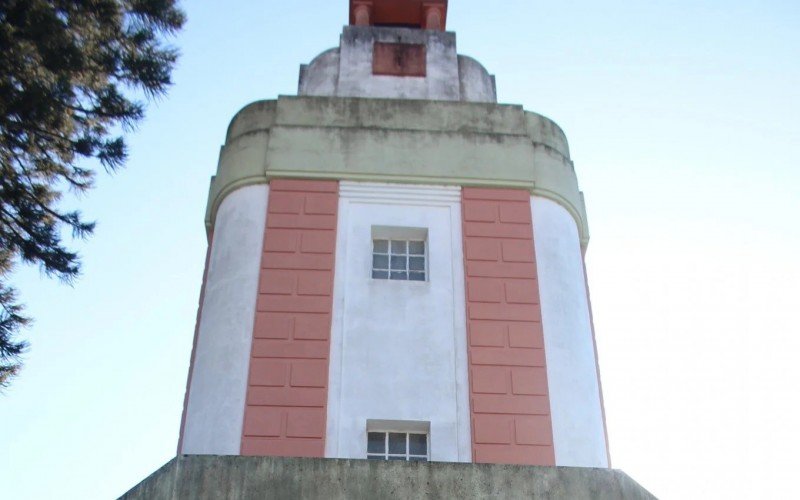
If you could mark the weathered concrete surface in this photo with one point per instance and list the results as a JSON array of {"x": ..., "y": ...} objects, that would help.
[
  {"x": 398, "y": 141},
  {"x": 347, "y": 71},
  {"x": 211, "y": 477}
]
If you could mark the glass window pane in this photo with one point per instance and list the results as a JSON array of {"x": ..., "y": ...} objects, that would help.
[
  {"x": 376, "y": 457},
  {"x": 380, "y": 246},
  {"x": 399, "y": 263},
  {"x": 380, "y": 262},
  {"x": 399, "y": 275},
  {"x": 416, "y": 247},
  {"x": 376, "y": 442},
  {"x": 416, "y": 263},
  {"x": 399, "y": 247},
  {"x": 418, "y": 459},
  {"x": 380, "y": 275},
  {"x": 416, "y": 276},
  {"x": 397, "y": 443},
  {"x": 401, "y": 457},
  {"x": 418, "y": 444}
]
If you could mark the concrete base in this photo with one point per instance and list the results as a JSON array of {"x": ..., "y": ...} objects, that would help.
[{"x": 199, "y": 477}]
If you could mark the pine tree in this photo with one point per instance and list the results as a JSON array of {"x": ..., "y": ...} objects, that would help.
[{"x": 69, "y": 71}]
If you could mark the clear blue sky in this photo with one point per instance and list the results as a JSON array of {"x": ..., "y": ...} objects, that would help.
[{"x": 683, "y": 124}]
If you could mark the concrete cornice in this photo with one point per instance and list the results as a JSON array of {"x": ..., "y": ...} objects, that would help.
[{"x": 398, "y": 141}]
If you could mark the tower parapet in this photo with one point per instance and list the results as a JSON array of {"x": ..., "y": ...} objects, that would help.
[{"x": 397, "y": 50}]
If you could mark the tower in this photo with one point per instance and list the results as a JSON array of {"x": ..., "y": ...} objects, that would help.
[
  {"x": 394, "y": 274},
  {"x": 395, "y": 267}
]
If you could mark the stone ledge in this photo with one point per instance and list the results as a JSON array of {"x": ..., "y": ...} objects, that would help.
[{"x": 200, "y": 477}]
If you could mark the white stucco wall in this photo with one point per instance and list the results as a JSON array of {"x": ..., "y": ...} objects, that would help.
[
  {"x": 398, "y": 349},
  {"x": 577, "y": 417},
  {"x": 215, "y": 409},
  {"x": 355, "y": 69}
]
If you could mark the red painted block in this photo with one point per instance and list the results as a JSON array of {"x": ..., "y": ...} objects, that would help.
[
  {"x": 321, "y": 204},
  {"x": 496, "y": 230},
  {"x": 510, "y": 405},
  {"x": 502, "y": 356},
  {"x": 533, "y": 430},
  {"x": 518, "y": 251},
  {"x": 309, "y": 373},
  {"x": 281, "y": 240},
  {"x": 284, "y": 203},
  {"x": 319, "y": 262},
  {"x": 263, "y": 421},
  {"x": 277, "y": 281},
  {"x": 287, "y": 397},
  {"x": 529, "y": 381},
  {"x": 503, "y": 312},
  {"x": 305, "y": 423},
  {"x": 268, "y": 372},
  {"x": 399, "y": 59},
  {"x": 312, "y": 327},
  {"x": 480, "y": 211},
  {"x": 516, "y": 213},
  {"x": 304, "y": 304},
  {"x": 482, "y": 249},
  {"x": 273, "y": 326},
  {"x": 522, "y": 291},
  {"x": 290, "y": 221},
  {"x": 485, "y": 290},
  {"x": 487, "y": 333},
  {"x": 318, "y": 242},
  {"x": 492, "y": 429},
  {"x": 490, "y": 380},
  {"x": 318, "y": 283},
  {"x": 500, "y": 270},
  {"x": 516, "y": 455},
  {"x": 302, "y": 349},
  {"x": 283, "y": 447},
  {"x": 526, "y": 335}
]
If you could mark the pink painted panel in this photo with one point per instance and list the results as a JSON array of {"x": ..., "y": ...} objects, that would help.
[
  {"x": 287, "y": 389},
  {"x": 509, "y": 400}
]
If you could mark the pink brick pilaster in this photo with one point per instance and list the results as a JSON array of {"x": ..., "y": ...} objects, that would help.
[
  {"x": 509, "y": 401},
  {"x": 287, "y": 390}
]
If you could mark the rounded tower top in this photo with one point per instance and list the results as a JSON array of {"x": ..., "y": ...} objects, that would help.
[{"x": 421, "y": 14}]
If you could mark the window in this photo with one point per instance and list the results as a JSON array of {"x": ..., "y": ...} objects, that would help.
[
  {"x": 397, "y": 259},
  {"x": 408, "y": 446}
]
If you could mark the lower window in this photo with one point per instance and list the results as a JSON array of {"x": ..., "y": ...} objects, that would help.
[{"x": 407, "y": 446}]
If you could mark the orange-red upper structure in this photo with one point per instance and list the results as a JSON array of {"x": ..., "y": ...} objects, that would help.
[{"x": 425, "y": 14}]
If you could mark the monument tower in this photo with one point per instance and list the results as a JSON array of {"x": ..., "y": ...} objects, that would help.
[
  {"x": 395, "y": 267},
  {"x": 395, "y": 274}
]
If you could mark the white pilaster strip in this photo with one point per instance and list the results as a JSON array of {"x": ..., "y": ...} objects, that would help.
[{"x": 219, "y": 378}]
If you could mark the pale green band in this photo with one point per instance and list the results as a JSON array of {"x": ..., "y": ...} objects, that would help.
[{"x": 394, "y": 140}]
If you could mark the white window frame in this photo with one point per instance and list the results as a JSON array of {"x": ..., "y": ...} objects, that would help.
[
  {"x": 406, "y": 427},
  {"x": 407, "y": 456},
  {"x": 406, "y": 235}
]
